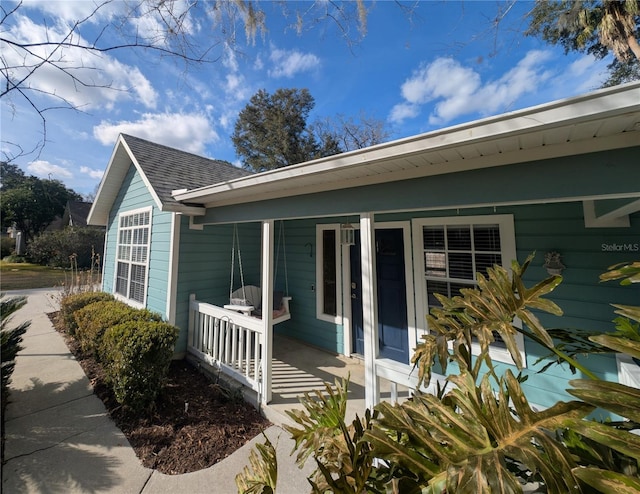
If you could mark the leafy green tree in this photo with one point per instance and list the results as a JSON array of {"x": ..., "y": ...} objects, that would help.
[
  {"x": 10, "y": 176},
  {"x": 271, "y": 131},
  {"x": 32, "y": 204},
  {"x": 598, "y": 27}
]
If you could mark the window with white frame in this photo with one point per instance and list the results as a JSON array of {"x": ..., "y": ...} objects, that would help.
[
  {"x": 132, "y": 259},
  {"x": 328, "y": 302},
  {"x": 455, "y": 249}
]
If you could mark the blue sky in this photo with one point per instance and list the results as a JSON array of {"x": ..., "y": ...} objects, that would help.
[{"x": 442, "y": 66}]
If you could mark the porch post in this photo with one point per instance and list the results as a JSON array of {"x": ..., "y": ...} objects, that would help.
[
  {"x": 369, "y": 308},
  {"x": 267, "y": 312}
]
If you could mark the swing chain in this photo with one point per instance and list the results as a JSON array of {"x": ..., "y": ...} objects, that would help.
[{"x": 236, "y": 241}]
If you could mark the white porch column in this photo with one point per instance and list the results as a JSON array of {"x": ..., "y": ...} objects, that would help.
[
  {"x": 369, "y": 308},
  {"x": 267, "y": 313}
]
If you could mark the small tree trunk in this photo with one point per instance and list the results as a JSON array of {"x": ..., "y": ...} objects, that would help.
[{"x": 634, "y": 46}]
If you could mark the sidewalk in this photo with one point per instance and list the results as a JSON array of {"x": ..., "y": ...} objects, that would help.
[{"x": 59, "y": 438}]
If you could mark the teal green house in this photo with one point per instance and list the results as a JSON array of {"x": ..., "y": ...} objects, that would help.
[{"x": 346, "y": 253}]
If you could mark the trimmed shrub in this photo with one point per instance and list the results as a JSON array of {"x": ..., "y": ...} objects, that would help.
[
  {"x": 136, "y": 356},
  {"x": 58, "y": 247},
  {"x": 76, "y": 301},
  {"x": 94, "y": 319}
]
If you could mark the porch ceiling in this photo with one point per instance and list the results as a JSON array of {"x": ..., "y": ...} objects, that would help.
[{"x": 603, "y": 120}]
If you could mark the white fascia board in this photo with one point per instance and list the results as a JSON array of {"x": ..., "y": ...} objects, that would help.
[
  {"x": 617, "y": 141},
  {"x": 107, "y": 191},
  {"x": 145, "y": 180},
  {"x": 112, "y": 180},
  {"x": 567, "y": 112},
  {"x": 184, "y": 209}
]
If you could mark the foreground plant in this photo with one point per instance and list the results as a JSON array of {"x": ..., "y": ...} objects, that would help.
[
  {"x": 10, "y": 345},
  {"x": 479, "y": 433}
]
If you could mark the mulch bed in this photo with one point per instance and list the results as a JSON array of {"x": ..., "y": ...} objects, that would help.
[{"x": 195, "y": 423}]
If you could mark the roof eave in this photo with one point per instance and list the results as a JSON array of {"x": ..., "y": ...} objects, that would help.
[
  {"x": 121, "y": 158},
  {"x": 568, "y": 112}
]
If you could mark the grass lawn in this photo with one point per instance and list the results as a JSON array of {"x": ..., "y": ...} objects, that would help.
[{"x": 20, "y": 276}]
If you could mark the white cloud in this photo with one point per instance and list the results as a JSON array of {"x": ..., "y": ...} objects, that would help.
[
  {"x": 73, "y": 11},
  {"x": 287, "y": 63},
  {"x": 78, "y": 76},
  {"x": 44, "y": 169},
  {"x": 582, "y": 75},
  {"x": 188, "y": 131},
  {"x": 229, "y": 58},
  {"x": 91, "y": 172},
  {"x": 402, "y": 111},
  {"x": 440, "y": 79},
  {"x": 454, "y": 90},
  {"x": 156, "y": 21}
]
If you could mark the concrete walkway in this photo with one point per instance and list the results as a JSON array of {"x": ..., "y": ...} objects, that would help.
[{"x": 59, "y": 438}]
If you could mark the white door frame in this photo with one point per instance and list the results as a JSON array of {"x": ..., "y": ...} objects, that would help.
[{"x": 411, "y": 301}]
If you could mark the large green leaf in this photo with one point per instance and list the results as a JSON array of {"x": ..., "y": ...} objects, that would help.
[
  {"x": 619, "y": 439},
  {"x": 477, "y": 314},
  {"x": 262, "y": 477},
  {"x": 614, "y": 397},
  {"x": 473, "y": 435},
  {"x": 628, "y": 272},
  {"x": 630, "y": 311},
  {"x": 322, "y": 417},
  {"x": 622, "y": 345},
  {"x": 345, "y": 462},
  {"x": 607, "y": 481}
]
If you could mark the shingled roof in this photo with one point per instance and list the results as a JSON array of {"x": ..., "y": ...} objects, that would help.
[
  {"x": 163, "y": 169},
  {"x": 169, "y": 169},
  {"x": 75, "y": 213}
]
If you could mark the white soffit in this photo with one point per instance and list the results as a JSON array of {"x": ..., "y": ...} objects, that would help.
[{"x": 605, "y": 119}]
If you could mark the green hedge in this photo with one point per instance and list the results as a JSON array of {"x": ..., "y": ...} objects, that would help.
[
  {"x": 57, "y": 247},
  {"x": 94, "y": 319},
  {"x": 72, "y": 303},
  {"x": 136, "y": 356}
]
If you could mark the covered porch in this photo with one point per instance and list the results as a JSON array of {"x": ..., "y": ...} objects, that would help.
[
  {"x": 535, "y": 180},
  {"x": 236, "y": 346},
  {"x": 298, "y": 368}
]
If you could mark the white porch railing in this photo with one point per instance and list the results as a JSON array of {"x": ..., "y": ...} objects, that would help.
[
  {"x": 404, "y": 375},
  {"x": 228, "y": 340}
]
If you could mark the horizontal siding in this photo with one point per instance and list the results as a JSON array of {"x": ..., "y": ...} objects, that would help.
[
  {"x": 301, "y": 266},
  {"x": 205, "y": 264},
  {"x": 133, "y": 195},
  {"x": 584, "y": 300},
  {"x": 585, "y": 175}
]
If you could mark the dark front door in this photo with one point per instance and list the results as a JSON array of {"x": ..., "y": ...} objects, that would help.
[{"x": 392, "y": 295}]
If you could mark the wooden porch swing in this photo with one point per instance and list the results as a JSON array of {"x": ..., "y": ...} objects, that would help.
[{"x": 248, "y": 298}]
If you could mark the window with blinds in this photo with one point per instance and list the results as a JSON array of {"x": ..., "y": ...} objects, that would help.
[
  {"x": 134, "y": 232},
  {"x": 453, "y": 254},
  {"x": 450, "y": 253}
]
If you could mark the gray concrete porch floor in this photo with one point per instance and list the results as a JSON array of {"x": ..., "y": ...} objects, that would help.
[{"x": 300, "y": 368}]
